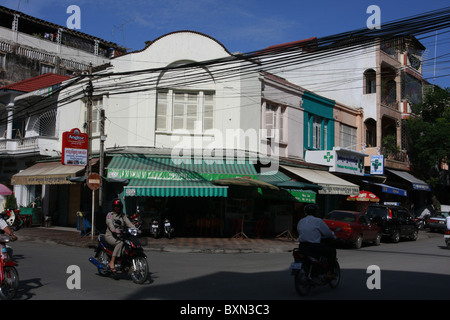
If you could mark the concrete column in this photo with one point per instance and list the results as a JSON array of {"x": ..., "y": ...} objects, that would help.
[{"x": 9, "y": 125}]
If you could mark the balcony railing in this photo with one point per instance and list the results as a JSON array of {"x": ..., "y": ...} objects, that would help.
[{"x": 38, "y": 145}]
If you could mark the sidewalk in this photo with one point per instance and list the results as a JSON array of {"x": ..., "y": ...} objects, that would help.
[{"x": 72, "y": 237}]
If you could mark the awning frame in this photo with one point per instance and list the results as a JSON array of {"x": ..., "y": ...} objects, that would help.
[{"x": 331, "y": 184}]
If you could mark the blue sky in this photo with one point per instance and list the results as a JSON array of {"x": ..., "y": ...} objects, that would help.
[{"x": 239, "y": 25}]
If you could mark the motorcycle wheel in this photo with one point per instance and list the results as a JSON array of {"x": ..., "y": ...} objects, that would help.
[
  {"x": 140, "y": 273},
  {"x": 302, "y": 284},
  {"x": 104, "y": 260},
  {"x": 337, "y": 271},
  {"x": 8, "y": 288}
]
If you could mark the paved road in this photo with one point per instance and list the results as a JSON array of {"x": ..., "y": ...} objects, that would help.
[{"x": 409, "y": 270}]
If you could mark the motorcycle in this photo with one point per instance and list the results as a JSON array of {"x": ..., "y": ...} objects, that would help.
[
  {"x": 9, "y": 277},
  {"x": 310, "y": 271},
  {"x": 132, "y": 261},
  {"x": 168, "y": 230},
  {"x": 154, "y": 228},
  {"x": 137, "y": 220}
]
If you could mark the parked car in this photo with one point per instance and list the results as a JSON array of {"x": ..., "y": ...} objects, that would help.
[
  {"x": 437, "y": 222},
  {"x": 395, "y": 221},
  {"x": 355, "y": 227}
]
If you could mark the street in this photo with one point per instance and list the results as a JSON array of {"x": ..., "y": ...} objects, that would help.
[{"x": 408, "y": 270}]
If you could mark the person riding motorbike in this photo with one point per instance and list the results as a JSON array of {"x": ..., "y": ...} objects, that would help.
[
  {"x": 312, "y": 230},
  {"x": 115, "y": 221},
  {"x": 5, "y": 227}
]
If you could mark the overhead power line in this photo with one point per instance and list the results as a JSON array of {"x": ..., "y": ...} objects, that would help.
[{"x": 294, "y": 55}]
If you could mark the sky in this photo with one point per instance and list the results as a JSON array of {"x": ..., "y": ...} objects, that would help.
[{"x": 240, "y": 25}]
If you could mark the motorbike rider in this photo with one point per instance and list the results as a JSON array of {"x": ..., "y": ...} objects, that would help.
[
  {"x": 115, "y": 221},
  {"x": 312, "y": 230},
  {"x": 5, "y": 227}
]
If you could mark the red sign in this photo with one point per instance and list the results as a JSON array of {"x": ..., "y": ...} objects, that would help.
[
  {"x": 74, "y": 148},
  {"x": 94, "y": 181}
]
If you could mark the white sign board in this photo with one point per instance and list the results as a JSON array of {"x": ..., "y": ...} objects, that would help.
[{"x": 339, "y": 160}]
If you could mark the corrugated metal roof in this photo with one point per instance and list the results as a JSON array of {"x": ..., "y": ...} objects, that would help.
[{"x": 36, "y": 83}]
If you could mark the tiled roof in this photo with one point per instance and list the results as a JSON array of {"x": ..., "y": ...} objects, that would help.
[{"x": 36, "y": 83}]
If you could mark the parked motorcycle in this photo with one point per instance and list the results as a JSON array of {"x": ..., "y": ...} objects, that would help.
[
  {"x": 311, "y": 271},
  {"x": 154, "y": 228},
  {"x": 168, "y": 230},
  {"x": 132, "y": 261},
  {"x": 9, "y": 277},
  {"x": 136, "y": 219}
]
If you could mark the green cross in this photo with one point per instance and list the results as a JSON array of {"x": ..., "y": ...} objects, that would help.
[
  {"x": 376, "y": 164},
  {"x": 328, "y": 156},
  {"x": 361, "y": 165}
]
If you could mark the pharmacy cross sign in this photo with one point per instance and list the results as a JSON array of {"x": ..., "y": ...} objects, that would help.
[{"x": 328, "y": 156}]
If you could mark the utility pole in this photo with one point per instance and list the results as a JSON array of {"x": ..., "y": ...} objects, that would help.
[
  {"x": 90, "y": 91},
  {"x": 102, "y": 154}
]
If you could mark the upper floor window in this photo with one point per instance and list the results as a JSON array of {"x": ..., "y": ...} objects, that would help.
[
  {"x": 45, "y": 68},
  {"x": 2, "y": 61},
  {"x": 97, "y": 106},
  {"x": 318, "y": 133},
  {"x": 347, "y": 137},
  {"x": 184, "y": 110},
  {"x": 274, "y": 121},
  {"x": 370, "y": 81}
]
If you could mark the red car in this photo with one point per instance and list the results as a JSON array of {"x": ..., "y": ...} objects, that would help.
[{"x": 355, "y": 227}]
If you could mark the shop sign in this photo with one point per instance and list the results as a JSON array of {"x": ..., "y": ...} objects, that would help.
[
  {"x": 74, "y": 148},
  {"x": 339, "y": 160},
  {"x": 376, "y": 164}
]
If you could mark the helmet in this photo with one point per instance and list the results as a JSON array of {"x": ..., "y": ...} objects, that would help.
[
  {"x": 117, "y": 203},
  {"x": 311, "y": 209}
]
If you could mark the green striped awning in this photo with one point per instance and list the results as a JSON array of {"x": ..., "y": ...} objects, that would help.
[
  {"x": 301, "y": 191},
  {"x": 167, "y": 177},
  {"x": 136, "y": 166},
  {"x": 173, "y": 188}
]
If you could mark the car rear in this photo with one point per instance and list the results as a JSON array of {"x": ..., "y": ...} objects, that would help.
[{"x": 341, "y": 220}]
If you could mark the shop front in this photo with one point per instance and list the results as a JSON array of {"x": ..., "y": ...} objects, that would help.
[
  {"x": 183, "y": 191},
  {"x": 47, "y": 181},
  {"x": 334, "y": 190}
]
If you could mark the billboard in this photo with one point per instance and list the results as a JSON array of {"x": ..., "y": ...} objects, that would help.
[{"x": 74, "y": 148}]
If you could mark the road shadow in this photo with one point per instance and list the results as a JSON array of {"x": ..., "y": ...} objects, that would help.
[{"x": 395, "y": 285}]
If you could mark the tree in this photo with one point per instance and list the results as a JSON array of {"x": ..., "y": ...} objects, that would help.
[{"x": 429, "y": 134}]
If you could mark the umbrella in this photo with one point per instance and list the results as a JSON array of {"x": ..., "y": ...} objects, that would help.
[
  {"x": 364, "y": 196},
  {"x": 4, "y": 190}
]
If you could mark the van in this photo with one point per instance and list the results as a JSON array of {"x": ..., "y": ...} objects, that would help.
[{"x": 395, "y": 222}]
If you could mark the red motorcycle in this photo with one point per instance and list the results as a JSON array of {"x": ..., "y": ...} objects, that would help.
[{"x": 9, "y": 277}]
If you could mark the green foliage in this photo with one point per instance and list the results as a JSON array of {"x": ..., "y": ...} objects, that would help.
[
  {"x": 11, "y": 202},
  {"x": 389, "y": 144},
  {"x": 429, "y": 131}
]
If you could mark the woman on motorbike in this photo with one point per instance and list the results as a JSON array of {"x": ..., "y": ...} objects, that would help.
[{"x": 115, "y": 221}]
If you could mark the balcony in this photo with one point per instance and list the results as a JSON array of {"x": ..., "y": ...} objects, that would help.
[
  {"x": 398, "y": 160},
  {"x": 32, "y": 146}
]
